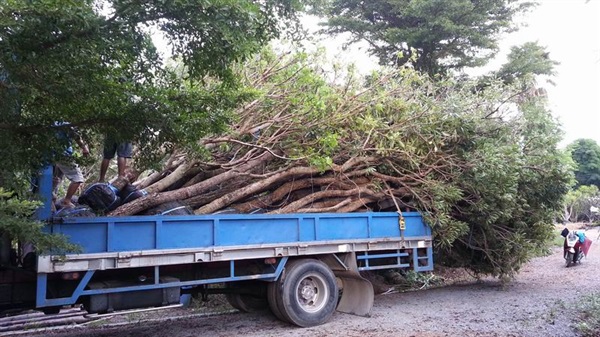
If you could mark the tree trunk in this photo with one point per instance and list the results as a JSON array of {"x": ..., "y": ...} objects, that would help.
[
  {"x": 294, "y": 206},
  {"x": 169, "y": 180},
  {"x": 254, "y": 188},
  {"x": 154, "y": 199}
]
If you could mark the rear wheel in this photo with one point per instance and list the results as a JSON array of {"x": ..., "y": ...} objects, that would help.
[
  {"x": 569, "y": 259},
  {"x": 248, "y": 296},
  {"x": 307, "y": 294},
  {"x": 273, "y": 293}
]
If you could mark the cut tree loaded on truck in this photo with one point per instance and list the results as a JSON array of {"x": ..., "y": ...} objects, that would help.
[{"x": 303, "y": 266}]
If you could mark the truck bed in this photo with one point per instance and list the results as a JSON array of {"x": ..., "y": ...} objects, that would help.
[{"x": 136, "y": 241}]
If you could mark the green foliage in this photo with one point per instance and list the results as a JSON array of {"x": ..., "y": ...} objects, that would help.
[
  {"x": 318, "y": 130},
  {"x": 526, "y": 60},
  {"x": 500, "y": 203},
  {"x": 444, "y": 34},
  {"x": 515, "y": 188},
  {"x": 482, "y": 166},
  {"x": 16, "y": 221},
  {"x": 586, "y": 153},
  {"x": 416, "y": 281},
  {"x": 578, "y": 202},
  {"x": 589, "y": 318},
  {"x": 94, "y": 64}
]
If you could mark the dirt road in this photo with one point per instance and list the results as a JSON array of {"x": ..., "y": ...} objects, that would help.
[{"x": 535, "y": 304}]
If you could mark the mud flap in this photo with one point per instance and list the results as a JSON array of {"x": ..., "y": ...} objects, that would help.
[{"x": 357, "y": 295}]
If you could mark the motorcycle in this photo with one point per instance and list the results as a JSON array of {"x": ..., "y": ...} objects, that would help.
[{"x": 576, "y": 246}]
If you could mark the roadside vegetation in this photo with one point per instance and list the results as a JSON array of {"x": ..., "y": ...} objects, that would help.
[
  {"x": 17, "y": 226},
  {"x": 588, "y": 323}
]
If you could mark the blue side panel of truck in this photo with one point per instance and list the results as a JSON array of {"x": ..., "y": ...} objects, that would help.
[
  {"x": 118, "y": 234},
  {"x": 375, "y": 240}
]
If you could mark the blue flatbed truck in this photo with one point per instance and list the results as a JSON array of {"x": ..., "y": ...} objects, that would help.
[{"x": 301, "y": 266}]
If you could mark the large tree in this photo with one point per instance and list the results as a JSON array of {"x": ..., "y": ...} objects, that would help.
[
  {"x": 586, "y": 154},
  {"x": 93, "y": 63},
  {"x": 432, "y": 35},
  {"x": 529, "y": 59}
]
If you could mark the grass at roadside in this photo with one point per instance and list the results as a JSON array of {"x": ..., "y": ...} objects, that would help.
[
  {"x": 217, "y": 303},
  {"x": 558, "y": 240},
  {"x": 589, "y": 318},
  {"x": 555, "y": 241}
]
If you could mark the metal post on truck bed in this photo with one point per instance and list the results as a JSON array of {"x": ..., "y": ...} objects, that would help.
[{"x": 43, "y": 187}]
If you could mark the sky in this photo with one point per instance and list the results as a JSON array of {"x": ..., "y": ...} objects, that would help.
[{"x": 570, "y": 31}]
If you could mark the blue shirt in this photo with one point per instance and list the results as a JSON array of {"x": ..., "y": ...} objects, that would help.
[{"x": 64, "y": 137}]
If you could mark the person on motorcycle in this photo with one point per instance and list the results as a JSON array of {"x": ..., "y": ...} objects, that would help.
[
  {"x": 579, "y": 244},
  {"x": 581, "y": 239},
  {"x": 581, "y": 236}
]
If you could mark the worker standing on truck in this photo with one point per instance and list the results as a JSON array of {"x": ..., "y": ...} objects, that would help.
[
  {"x": 123, "y": 151},
  {"x": 67, "y": 167}
]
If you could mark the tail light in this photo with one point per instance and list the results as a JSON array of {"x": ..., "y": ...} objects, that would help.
[{"x": 70, "y": 276}]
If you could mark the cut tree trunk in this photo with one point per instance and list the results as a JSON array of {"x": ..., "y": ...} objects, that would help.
[
  {"x": 254, "y": 188},
  {"x": 154, "y": 199}
]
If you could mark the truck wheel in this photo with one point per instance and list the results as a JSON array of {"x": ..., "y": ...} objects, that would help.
[
  {"x": 272, "y": 297},
  {"x": 233, "y": 301},
  {"x": 309, "y": 294},
  {"x": 251, "y": 297}
]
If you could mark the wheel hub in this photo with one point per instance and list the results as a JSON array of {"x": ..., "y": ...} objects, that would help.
[
  {"x": 308, "y": 291},
  {"x": 311, "y": 293}
]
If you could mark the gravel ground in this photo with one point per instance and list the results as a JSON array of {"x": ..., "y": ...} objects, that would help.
[{"x": 536, "y": 304}]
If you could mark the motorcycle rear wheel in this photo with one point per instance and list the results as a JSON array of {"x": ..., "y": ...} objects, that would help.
[{"x": 569, "y": 259}]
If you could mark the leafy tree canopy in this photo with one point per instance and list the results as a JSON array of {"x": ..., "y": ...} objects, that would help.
[
  {"x": 93, "y": 64},
  {"x": 445, "y": 34},
  {"x": 579, "y": 201},
  {"x": 586, "y": 153},
  {"x": 530, "y": 59}
]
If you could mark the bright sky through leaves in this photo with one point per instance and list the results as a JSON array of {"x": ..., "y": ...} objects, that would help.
[{"x": 570, "y": 29}]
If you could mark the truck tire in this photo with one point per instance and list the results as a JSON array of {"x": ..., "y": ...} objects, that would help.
[
  {"x": 250, "y": 298},
  {"x": 272, "y": 297},
  {"x": 308, "y": 293},
  {"x": 233, "y": 300}
]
